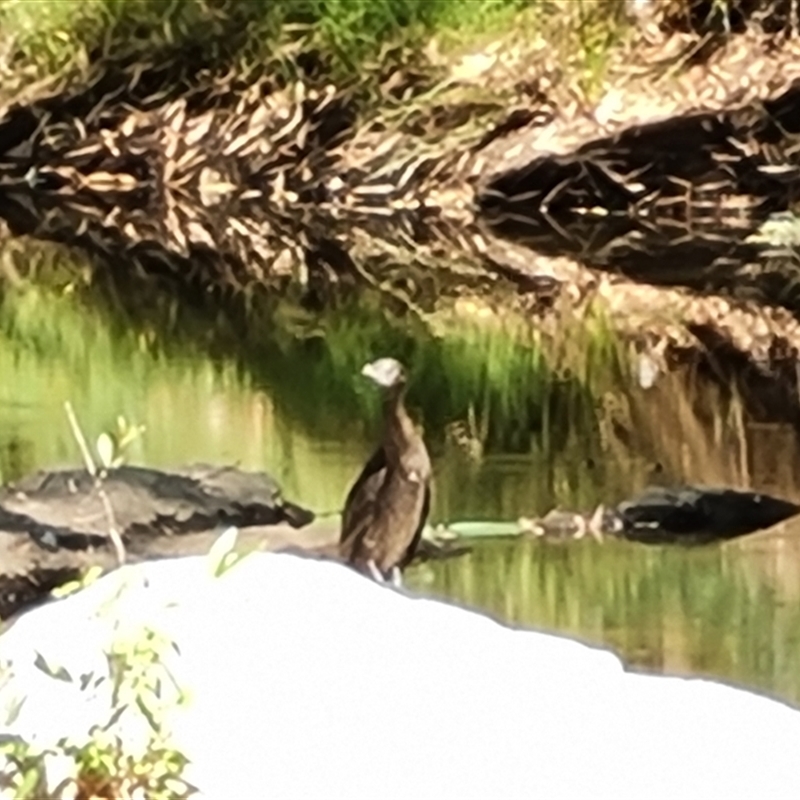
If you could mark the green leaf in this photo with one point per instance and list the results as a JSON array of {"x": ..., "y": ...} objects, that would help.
[
  {"x": 59, "y": 673},
  {"x": 70, "y": 587},
  {"x": 13, "y": 710},
  {"x": 147, "y": 713},
  {"x": 105, "y": 450},
  {"x": 219, "y": 555},
  {"x": 31, "y": 782},
  {"x": 88, "y": 578},
  {"x": 127, "y": 433}
]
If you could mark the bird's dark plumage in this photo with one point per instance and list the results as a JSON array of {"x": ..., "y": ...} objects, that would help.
[{"x": 387, "y": 507}]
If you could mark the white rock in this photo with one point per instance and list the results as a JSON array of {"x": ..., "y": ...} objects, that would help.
[{"x": 308, "y": 681}]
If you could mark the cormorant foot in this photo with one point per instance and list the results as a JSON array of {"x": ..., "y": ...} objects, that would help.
[{"x": 374, "y": 572}]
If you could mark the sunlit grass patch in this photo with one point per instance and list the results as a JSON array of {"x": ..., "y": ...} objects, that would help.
[
  {"x": 350, "y": 38},
  {"x": 52, "y": 34}
]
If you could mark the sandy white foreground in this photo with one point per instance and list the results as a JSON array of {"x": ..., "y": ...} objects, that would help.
[{"x": 308, "y": 681}]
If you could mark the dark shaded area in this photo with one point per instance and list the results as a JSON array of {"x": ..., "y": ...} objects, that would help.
[
  {"x": 18, "y": 592},
  {"x": 637, "y": 205},
  {"x": 769, "y": 390},
  {"x": 633, "y": 204},
  {"x": 697, "y": 515},
  {"x": 46, "y": 189},
  {"x": 729, "y": 16}
]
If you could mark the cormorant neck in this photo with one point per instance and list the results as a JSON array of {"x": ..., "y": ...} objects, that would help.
[
  {"x": 398, "y": 424},
  {"x": 393, "y": 396}
]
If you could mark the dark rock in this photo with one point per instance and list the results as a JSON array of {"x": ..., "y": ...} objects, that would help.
[
  {"x": 64, "y": 509},
  {"x": 54, "y": 525},
  {"x": 694, "y": 514}
]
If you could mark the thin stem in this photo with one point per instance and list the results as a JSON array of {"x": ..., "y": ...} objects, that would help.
[{"x": 91, "y": 467}]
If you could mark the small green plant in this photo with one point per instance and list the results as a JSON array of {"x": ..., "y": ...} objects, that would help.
[
  {"x": 87, "y": 578},
  {"x": 105, "y": 767},
  {"x": 224, "y": 553},
  {"x": 142, "y": 684},
  {"x": 110, "y": 449},
  {"x": 110, "y": 446},
  {"x": 25, "y": 772}
]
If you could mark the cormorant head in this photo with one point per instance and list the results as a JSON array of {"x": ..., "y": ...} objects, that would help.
[{"x": 388, "y": 373}]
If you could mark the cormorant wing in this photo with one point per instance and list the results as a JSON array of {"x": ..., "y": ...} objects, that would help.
[
  {"x": 412, "y": 548},
  {"x": 359, "y": 507},
  {"x": 360, "y": 502}
]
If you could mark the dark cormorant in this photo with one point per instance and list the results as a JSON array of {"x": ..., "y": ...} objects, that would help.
[{"x": 386, "y": 508}]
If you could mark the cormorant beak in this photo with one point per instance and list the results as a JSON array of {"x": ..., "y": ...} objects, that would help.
[{"x": 368, "y": 371}]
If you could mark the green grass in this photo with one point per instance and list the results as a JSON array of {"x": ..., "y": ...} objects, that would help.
[
  {"x": 54, "y": 34},
  {"x": 349, "y": 38}
]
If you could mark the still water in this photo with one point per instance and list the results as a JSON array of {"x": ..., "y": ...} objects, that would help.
[{"x": 275, "y": 387}]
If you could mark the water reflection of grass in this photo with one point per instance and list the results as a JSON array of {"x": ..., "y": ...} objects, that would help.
[
  {"x": 214, "y": 381},
  {"x": 530, "y": 392},
  {"x": 674, "y": 610},
  {"x": 218, "y": 380}
]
